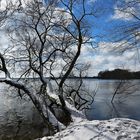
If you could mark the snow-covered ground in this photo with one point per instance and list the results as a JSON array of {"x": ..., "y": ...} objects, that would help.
[
  {"x": 83, "y": 129},
  {"x": 113, "y": 129}
]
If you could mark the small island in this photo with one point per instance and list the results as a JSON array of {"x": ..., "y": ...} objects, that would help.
[{"x": 118, "y": 74}]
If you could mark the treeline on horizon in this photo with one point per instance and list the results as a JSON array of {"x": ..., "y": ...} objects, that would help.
[{"x": 119, "y": 74}]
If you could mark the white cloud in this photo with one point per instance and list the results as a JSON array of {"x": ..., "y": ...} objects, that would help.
[
  {"x": 101, "y": 59},
  {"x": 123, "y": 15},
  {"x": 107, "y": 59},
  {"x": 125, "y": 10},
  {"x": 4, "y": 3}
]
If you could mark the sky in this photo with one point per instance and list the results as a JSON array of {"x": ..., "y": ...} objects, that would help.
[
  {"x": 102, "y": 26},
  {"x": 106, "y": 57}
]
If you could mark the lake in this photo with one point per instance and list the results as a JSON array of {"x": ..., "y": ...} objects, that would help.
[
  {"x": 126, "y": 104},
  {"x": 19, "y": 120}
]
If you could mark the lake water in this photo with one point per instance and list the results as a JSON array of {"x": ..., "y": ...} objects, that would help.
[
  {"x": 19, "y": 120},
  {"x": 126, "y": 104}
]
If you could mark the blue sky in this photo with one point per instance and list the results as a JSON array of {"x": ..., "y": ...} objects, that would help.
[{"x": 105, "y": 21}]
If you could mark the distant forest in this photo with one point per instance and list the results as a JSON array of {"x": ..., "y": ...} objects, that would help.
[{"x": 119, "y": 74}]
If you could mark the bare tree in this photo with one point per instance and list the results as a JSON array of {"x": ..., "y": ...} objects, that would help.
[
  {"x": 128, "y": 32},
  {"x": 44, "y": 39},
  {"x": 124, "y": 88},
  {"x": 76, "y": 91}
]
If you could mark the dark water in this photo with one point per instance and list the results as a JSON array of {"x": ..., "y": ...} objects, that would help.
[
  {"x": 19, "y": 120},
  {"x": 126, "y": 104}
]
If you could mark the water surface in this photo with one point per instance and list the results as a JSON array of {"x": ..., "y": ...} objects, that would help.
[
  {"x": 126, "y": 104},
  {"x": 19, "y": 120}
]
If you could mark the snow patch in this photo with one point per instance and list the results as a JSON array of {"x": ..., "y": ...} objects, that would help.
[
  {"x": 77, "y": 115},
  {"x": 113, "y": 129}
]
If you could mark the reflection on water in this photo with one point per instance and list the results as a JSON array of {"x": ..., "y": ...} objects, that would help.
[
  {"x": 19, "y": 120},
  {"x": 19, "y": 127},
  {"x": 123, "y": 106}
]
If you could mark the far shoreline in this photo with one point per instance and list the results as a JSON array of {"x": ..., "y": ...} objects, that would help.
[{"x": 94, "y": 77}]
